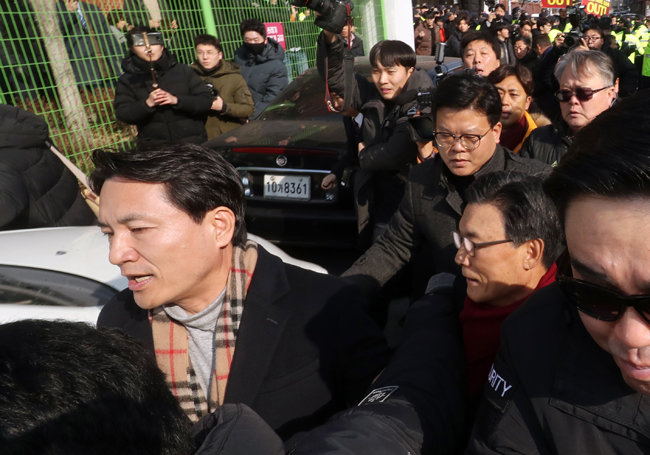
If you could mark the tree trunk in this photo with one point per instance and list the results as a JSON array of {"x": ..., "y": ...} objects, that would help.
[{"x": 66, "y": 84}]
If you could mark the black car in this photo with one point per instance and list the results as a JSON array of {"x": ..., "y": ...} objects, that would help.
[{"x": 283, "y": 156}]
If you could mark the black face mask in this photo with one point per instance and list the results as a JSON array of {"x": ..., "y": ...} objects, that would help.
[{"x": 255, "y": 49}]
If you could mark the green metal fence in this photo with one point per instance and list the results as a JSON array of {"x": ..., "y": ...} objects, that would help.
[{"x": 60, "y": 59}]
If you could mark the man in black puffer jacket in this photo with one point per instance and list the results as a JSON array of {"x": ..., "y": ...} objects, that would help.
[
  {"x": 169, "y": 108},
  {"x": 36, "y": 190}
]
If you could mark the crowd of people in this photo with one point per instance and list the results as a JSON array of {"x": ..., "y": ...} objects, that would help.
[{"x": 520, "y": 192}]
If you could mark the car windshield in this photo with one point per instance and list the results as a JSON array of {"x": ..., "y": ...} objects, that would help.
[{"x": 303, "y": 98}]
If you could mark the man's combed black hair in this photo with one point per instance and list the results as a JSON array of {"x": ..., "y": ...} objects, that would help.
[
  {"x": 528, "y": 213},
  {"x": 468, "y": 90},
  {"x": 197, "y": 179},
  {"x": 392, "y": 53},
  {"x": 69, "y": 389},
  {"x": 208, "y": 40},
  {"x": 609, "y": 158},
  {"x": 252, "y": 25}
]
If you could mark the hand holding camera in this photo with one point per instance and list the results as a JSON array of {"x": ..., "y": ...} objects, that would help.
[{"x": 334, "y": 14}]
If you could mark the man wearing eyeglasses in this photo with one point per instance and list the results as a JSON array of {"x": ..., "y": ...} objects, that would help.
[
  {"x": 573, "y": 368},
  {"x": 588, "y": 87},
  {"x": 232, "y": 102},
  {"x": 467, "y": 112},
  {"x": 507, "y": 240},
  {"x": 623, "y": 68}
]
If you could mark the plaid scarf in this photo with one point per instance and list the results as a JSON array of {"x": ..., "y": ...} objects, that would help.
[{"x": 171, "y": 343}]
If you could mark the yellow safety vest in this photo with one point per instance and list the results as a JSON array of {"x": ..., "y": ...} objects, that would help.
[
  {"x": 553, "y": 34},
  {"x": 634, "y": 42},
  {"x": 643, "y": 34},
  {"x": 646, "y": 63}
]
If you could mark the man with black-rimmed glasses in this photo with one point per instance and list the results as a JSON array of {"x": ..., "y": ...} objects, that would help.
[
  {"x": 467, "y": 110},
  {"x": 574, "y": 360}
]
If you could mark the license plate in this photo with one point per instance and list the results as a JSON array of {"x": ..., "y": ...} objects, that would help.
[{"x": 287, "y": 186}]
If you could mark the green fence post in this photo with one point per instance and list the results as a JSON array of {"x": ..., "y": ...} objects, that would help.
[
  {"x": 208, "y": 18},
  {"x": 383, "y": 20}
]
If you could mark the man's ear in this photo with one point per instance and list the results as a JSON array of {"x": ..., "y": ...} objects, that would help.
[
  {"x": 223, "y": 221},
  {"x": 533, "y": 253},
  {"x": 496, "y": 130}
]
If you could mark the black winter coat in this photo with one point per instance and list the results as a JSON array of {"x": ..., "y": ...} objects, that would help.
[
  {"x": 304, "y": 350},
  {"x": 547, "y": 144},
  {"x": 389, "y": 150},
  {"x": 430, "y": 210},
  {"x": 265, "y": 73},
  {"x": 453, "y": 48},
  {"x": 36, "y": 189},
  {"x": 425, "y": 413},
  {"x": 159, "y": 125},
  {"x": 553, "y": 390}
]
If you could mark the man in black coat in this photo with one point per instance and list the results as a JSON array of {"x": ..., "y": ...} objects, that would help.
[
  {"x": 467, "y": 112},
  {"x": 386, "y": 151},
  {"x": 166, "y": 100},
  {"x": 573, "y": 370},
  {"x": 36, "y": 189},
  {"x": 227, "y": 321},
  {"x": 583, "y": 95}
]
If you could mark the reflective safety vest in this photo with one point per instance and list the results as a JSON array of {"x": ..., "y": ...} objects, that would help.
[
  {"x": 619, "y": 38},
  {"x": 646, "y": 63},
  {"x": 633, "y": 43},
  {"x": 568, "y": 27},
  {"x": 553, "y": 34},
  {"x": 643, "y": 34}
]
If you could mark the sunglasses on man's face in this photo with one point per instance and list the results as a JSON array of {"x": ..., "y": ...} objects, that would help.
[
  {"x": 600, "y": 302},
  {"x": 582, "y": 93}
]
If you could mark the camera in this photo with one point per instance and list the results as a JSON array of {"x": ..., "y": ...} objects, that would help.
[
  {"x": 572, "y": 39},
  {"x": 213, "y": 91},
  {"x": 334, "y": 14}
]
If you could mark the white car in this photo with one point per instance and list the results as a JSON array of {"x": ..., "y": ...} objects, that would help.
[{"x": 64, "y": 273}]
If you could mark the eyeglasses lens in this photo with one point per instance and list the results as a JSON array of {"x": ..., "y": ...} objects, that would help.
[
  {"x": 465, "y": 242},
  {"x": 583, "y": 94}
]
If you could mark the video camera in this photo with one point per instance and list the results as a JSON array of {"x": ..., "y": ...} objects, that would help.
[{"x": 334, "y": 14}]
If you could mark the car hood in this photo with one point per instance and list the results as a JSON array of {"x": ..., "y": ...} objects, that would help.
[
  {"x": 83, "y": 251},
  {"x": 317, "y": 134},
  {"x": 78, "y": 250}
]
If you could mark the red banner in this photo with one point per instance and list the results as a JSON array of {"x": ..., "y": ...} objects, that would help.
[
  {"x": 596, "y": 7},
  {"x": 556, "y": 3},
  {"x": 275, "y": 30}
]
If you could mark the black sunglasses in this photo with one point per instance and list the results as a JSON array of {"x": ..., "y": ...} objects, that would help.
[
  {"x": 600, "y": 302},
  {"x": 582, "y": 93}
]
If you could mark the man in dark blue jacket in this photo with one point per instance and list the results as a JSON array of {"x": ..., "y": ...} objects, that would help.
[{"x": 261, "y": 60}]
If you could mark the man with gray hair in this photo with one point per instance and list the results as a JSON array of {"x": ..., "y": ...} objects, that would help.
[{"x": 588, "y": 87}]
